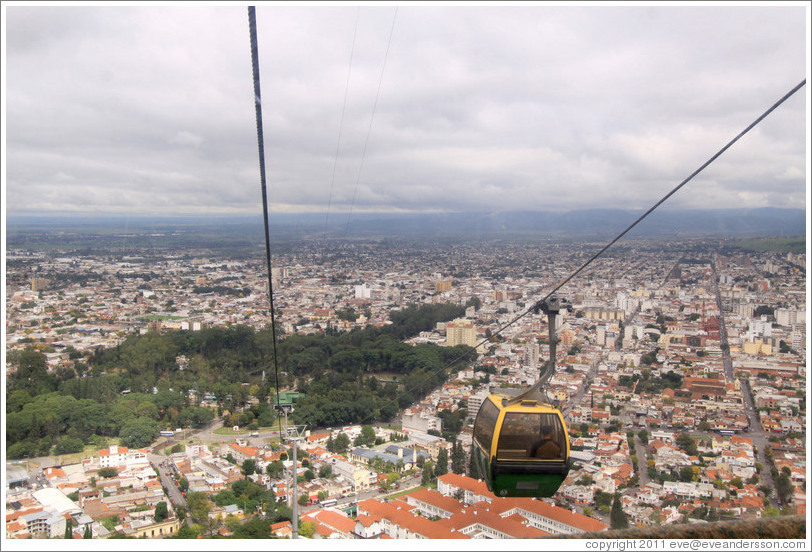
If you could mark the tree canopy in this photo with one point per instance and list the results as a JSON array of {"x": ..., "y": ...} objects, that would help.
[{"x": 135, "y": 389}]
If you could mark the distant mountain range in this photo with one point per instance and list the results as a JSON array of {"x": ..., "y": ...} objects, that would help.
[
  {"x": 599, "y": 223},
  {"x": 592, "y": 223}
]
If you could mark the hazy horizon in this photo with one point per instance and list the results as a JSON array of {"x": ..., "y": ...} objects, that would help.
[{"x": 386, "y": 107}]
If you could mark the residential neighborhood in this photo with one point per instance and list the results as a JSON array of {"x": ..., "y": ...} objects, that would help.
[{"x": 681, "y": 374}]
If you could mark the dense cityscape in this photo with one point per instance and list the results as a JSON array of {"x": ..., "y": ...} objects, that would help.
[
  {"x": 470, "y": 270},
  {"x": 681, "y": 372}
]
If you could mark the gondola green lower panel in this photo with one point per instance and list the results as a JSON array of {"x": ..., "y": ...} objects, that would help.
[
  {"x": 537, "y": 485},
  {"x": 518, "y": 479}
]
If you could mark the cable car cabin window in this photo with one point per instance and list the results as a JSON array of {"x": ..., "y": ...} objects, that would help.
[
  {"x": 530, "y": 435},
  {"x": 485, "y": 423}
]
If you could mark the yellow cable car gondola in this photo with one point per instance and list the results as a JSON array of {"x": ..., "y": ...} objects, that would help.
[
  {"x": 520, "y": 445},
  {"x": 521, "y": 448}
]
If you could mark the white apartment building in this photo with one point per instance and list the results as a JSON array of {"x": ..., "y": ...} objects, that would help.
[
  {"x": 475, "y": 403},
  {"x": 688, "y": 490},
  {"x": 788, "y": 317},
  {"x": 363, "y": 292},
  {"x": 745, "y": 310},
  {"x": 759, "y": 328},
  {"x": 113, "y": 457},
  {"x": 420, "y": 420},
  {"x": 360, "y": 478}
]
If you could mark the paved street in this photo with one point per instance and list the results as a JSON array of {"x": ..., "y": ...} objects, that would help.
[
  {"x": 587, "y": 381},
  {"x": 728, "y": 363},
  {"x": 168, "y": 482},
  {"x": 755, "y": 432},
  {"x": 642, "y": 461},
  {"x": 759, "y": 440}
]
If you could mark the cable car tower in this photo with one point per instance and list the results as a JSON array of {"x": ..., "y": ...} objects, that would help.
[
  {"x": 292, "y": 434},
  {"x": 550, "y": 306}
]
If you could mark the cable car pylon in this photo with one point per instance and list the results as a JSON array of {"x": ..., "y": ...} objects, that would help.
[{"x": 551, "y": 306}]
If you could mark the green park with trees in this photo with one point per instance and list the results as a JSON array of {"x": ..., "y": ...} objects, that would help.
[{"x": 134, "y": 390}]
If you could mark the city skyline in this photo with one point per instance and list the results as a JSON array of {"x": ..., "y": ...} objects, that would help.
[
  {"x": 147, "y": 110},
  {"x": 667, "y": 338}
]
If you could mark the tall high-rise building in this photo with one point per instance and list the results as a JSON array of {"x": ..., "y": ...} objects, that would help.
[
  {"x": 363, "y": 292},
  {"x": 443, "y": 285},
  {"x": 531, "y": 358},
  {"x": 460, "y": 332},
  {"x": 788, "y": 317},
  {"x": 277, "y": 274},
  {"x": 745, "y": 310},
  {"x": 798, "y": 335},
  {"x": 38, "y": 284},
  {"x": 475, "y": 402}
]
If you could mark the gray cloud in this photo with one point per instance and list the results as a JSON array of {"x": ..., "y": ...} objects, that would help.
[{"x": 149, "y": 109}]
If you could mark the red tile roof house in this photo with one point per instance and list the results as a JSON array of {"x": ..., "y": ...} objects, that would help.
[
  {"x": 473, "y": 490},
  {"x": 318, "y": 452},
  {"x": 16, "y": 526},
  {"x": 600, "y": 415},
  {"x": 741, "y": 441},
  {"x": 55, "y": 475},
  {"x": 480, "y": 520},
  {"x": 430, "y": 503},
  {"x": 497, "y": 518},
  {"x": 539, "y": 514},
  {"x": 331, "y": 524},
  {"x": 283, "y": 529},
  {"x": 241, "y": 453},
  {"x": 368, "y": 527},
  {"x": 623, "y": 474},
  {"x": 272, "y": 456},
  {"x": 17, "y": 530},
  {"x": 112, "y": 457},
  {"x": 399, "y": 522},
  {"x": 751, "y": 506},
  {"x": 318, "y": 438}
]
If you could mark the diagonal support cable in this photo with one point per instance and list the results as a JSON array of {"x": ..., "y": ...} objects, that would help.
[
  {"x": 371, "y": 119},
  {"x": 341, "y": 121},
  {"x": 252, "y": 27},
  {"x": 538, "y": 304}
]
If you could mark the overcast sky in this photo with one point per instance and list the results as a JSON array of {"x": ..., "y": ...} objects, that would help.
[{"x": 148, "y": 109}]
